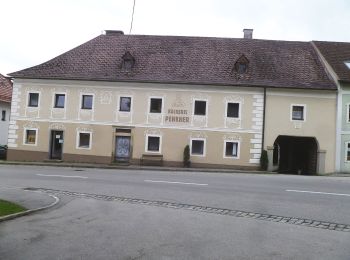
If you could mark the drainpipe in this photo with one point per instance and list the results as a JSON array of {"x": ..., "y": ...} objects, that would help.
[{"x": 263, "y": 126}]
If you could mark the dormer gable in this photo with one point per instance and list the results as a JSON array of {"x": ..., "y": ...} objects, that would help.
[
  {"x": 128, "y": 61},
  {"x": 241, "y": 65}
]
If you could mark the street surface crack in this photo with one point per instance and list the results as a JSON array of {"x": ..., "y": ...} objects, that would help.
[{"x": 220, "y": 211}]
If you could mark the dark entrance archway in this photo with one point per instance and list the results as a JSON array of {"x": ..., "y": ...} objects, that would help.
[{"x": 296, "y": 155}]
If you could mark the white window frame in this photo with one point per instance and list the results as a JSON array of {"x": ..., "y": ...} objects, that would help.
[
  {"x": 239, "y": 111},
  {"x": 131, "y": 104},
  {"x": 238, "y": 149},
  {"x": 204, "y": 147},
  {"x": 346, "y": 152},
  {"x": 206, "y": 106},
  {"x": 54, "y": 100},
  {"x": 149, "y": 105},
  {"x": 25, "y": 136},
  {"x": 291, "y": 112},
  {"x": 81, "y": 101},
  {"x": 78, "y": 140},
  {"x": 160, "y": 144},
  {"x": 39, "y": 98},
  {"x": 347, "y": 112}
]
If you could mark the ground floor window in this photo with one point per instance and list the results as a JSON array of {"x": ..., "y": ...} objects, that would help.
[
  {"x": 198, "y": 147},
  {"x": 231, "y": 149},
  {"x": 347, "y": 151},
  {"x": 153, "y": 144},
  {"x": 30, "y": 136},
  {"x": 84, "y": 140}
]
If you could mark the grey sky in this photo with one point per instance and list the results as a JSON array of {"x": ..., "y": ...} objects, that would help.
[{"x": 35, "y": 31}]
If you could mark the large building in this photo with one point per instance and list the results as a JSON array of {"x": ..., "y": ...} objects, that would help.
[
  {"x": 140, "y": 98},
  {"x": 5, "y": 107},
  {"x": 336, "y": 58}
]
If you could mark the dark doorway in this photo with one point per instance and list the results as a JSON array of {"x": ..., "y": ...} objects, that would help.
[
  {"x": 56, "y": 145},
  {"x": 297, "y": 155},
  {"x": 122, "y": 148}
]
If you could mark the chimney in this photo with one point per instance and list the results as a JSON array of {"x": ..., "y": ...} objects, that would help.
[
  {"x": 113, "y": 32},
  {"x": 248, "y": 33}
]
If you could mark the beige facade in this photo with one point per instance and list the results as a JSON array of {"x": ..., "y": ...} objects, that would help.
[
  {"x": 176, "y": 125},
  {"x": 318, "y": 123}
]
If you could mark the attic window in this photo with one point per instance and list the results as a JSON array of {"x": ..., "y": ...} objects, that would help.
[
  {"x": 241, "y": 65},
  {"x": 347, "y": 63},
  {"x": 128, "y": 61}
]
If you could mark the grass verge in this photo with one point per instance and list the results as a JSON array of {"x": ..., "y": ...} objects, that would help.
[{"x": 7, "y": 208}]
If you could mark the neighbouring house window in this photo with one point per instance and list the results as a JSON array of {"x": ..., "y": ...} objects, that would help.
[
  {"x": 348, "y": 108},
  {"x": 347, "y": 63},
  {"x": 30, "y": 136},
  {"x": 347, "y": 151},
  {"x": 197, "y": 147},
  {"x": 84, "y": 140},
  {"x": 3, "y": 115},
  {"x": 125, "y": 104},
  {"x": 153, "y": 144},
  {"x": 156, "y": 105},
  {"x": 200, "y": 107},
  {"x": 233, "y": 110},
  {"x": 60, "y": 100},
  {"x": 33, "y": 100},
  {"x": 298, "y": 113},
  {"x": 231, "y": 149},
  {"x": 87, "y": 102}
]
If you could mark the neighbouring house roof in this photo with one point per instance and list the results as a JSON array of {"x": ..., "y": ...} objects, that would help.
[
  {"x": 190, "y": 60},
  {"x": 5, "y": 89},
  {"x": 336, "y": 55}
]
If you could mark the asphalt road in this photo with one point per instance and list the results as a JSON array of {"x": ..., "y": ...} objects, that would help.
[{"x": 87, "y": 228}]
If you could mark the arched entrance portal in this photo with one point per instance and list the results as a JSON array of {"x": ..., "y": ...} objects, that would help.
[{"x": 296, "y": 154}]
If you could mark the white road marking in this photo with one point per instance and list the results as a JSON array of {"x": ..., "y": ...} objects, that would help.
[
  {"x": 62, "y": 176},
  {"x": 319, "y": 192},
  {"x": 178, "y": 182}
]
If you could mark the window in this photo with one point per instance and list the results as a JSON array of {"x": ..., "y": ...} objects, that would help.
[
  {"x": 347, "y": 63},
  {"x": 30, "y": 136},
  {"x": 200, "y": 107},
  {"x": 347, "y": 151},
  {"x": 153, "y": 144},
  {"x": 298, "y": 112},
  {"x": 87, "y": 102},
  {"x": 156, "y": 105},
  {"x": 348, "y": 108},
  {"x": 3, "y": 115},
  {"x": 59, "y": 100},
  {"x": 231, "y": 149},
  {"x": 198, "y": 147},
  {"x": 241, "y": 65},
  {"x": 33, "y": 100},
  {"x": 125, "y": 104},
  {"x": 233, "y": 110},
  {"x": 84, "y": 140}
]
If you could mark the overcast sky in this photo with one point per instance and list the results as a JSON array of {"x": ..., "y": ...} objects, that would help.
[{"x": 34, "y": 31}]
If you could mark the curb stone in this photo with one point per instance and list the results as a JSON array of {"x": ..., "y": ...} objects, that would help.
[{"x": 31, "y": 211}]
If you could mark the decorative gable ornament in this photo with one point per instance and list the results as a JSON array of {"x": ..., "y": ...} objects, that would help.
[
  {"x": 241, "y": 65},
  {"x": 128, "y": 61}
]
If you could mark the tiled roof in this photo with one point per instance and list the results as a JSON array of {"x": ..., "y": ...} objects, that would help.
[
  {"x": 190, "y": 60},
  {"x": 5, "y": 89},
  {"x": 336, "y": 53}
]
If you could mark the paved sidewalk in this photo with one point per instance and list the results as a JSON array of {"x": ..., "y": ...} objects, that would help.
[{"x": 31, "y": 200}]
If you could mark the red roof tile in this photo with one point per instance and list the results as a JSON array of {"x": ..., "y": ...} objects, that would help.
[
  {"x": 336, "y": 54},
  {"x": 190, "y": 60},
  {"x": 5, "y": 89}
]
